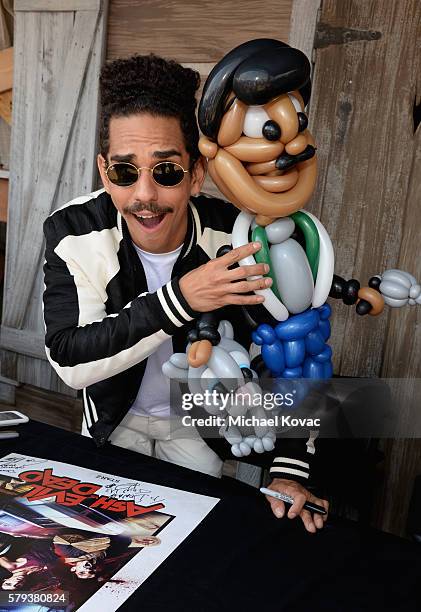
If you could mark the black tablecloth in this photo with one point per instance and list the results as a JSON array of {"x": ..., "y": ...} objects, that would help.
[{"x": 241, "y": 558}]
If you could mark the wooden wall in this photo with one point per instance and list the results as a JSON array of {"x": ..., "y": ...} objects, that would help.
[{"x": 367, "y": 82}]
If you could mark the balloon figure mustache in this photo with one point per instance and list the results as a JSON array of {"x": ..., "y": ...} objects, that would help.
[{"x": 262, "y": 157}]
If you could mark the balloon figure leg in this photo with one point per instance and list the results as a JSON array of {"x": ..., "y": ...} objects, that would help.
[{"x": 297, "y": 347}]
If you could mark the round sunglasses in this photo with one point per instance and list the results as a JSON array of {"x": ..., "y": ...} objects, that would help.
[{"x": 164, "y": 174}]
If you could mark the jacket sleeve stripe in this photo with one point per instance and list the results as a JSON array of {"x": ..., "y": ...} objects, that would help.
[
  {"x": 167, "y": 309},
  {"x": 177, "y": 304},
  {"x": 86, "y": 374},
  {"x": 291, "y": 461},
  {"x": 281, "y": 470},
  {"x": 86, "y": 410}
]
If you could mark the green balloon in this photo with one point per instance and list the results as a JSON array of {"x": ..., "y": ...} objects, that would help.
[
  {"x": 263, "y": 256},
  {"x": 311, "y": 235}
]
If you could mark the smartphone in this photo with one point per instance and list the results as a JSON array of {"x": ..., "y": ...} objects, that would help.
[{"x": 12, "y": 417}]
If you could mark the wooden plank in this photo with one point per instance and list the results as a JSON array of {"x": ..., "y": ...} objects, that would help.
[
  {"x": 403, "y": 457},
  {"x": 6, "y": 106},
  {"x": 23, "y": 342},
  {"x": 62, "y": 112},
  {"x": 49, "y": 407},
  {"x": 57, "y": 5},
  {"x": 198, "y": 30},
  {"x": 368, "y": 197},
  {"x": 48, "y": 38},
  {"x": 4, "y": 186},
  {"x": 5, "y": 41},
  {"x": 362, "y": 183},
  {"x": 304, "y": 16},
  {"x": 6, "y": 69}
]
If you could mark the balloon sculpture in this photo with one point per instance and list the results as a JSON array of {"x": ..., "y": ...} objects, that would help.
[{"x": 262, "y": 157}]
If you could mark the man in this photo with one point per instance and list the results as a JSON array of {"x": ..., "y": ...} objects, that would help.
[{"x": 129, "y": 268}]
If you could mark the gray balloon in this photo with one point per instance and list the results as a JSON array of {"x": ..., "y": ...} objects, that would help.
[
  {"x": 179, "y": 360},
  {"x": 280, "y": 230},
  {"x": 293, "y": 275}
]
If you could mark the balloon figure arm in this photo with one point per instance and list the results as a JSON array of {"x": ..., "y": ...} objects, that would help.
[
  {"x": 394, "y": 287},
  {"x": 368, "y": 300}
]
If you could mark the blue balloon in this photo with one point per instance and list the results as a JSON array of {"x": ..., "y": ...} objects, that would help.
[
  {"x": 314, "y": 342},
  {"x": 295, "y": 351},
  {"x": 324, "y": 327},
  {"x": 297, "y": 326},
  {"x": 325, "y": 311},
  {"x": 325, "y": 355},
  {"x": 264, "y": 334},
  {"x": 313, "y": 369},
  {"x": 328, "y": 369},
  {"x": 273, "y": 356},
  {"x": 292, "y": 373}
]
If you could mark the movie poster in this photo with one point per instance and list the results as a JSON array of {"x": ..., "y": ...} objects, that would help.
[{"x": 77, "y": 539}]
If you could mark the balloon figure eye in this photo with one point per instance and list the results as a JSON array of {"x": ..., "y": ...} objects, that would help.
[
  {"x": 302, "y": 122},
  {"x": 254, "y": 119},
  {"x": 271, "y": 130}
]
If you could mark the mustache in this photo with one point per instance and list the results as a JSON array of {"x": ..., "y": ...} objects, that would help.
[{"x": 152, "y": 207}]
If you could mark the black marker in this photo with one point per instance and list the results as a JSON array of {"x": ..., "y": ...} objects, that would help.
[{"x": 290, "y": 500}]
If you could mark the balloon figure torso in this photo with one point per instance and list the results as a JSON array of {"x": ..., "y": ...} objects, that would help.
[{"x": 302, "y": 275}]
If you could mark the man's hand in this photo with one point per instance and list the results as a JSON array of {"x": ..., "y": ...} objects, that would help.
[
  {"x": 312, "y": 522},
  {"x": 213, "y": 285}
]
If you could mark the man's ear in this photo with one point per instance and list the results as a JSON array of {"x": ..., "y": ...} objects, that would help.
[
  {"x": 101, "y": 163},
  {"x": 198, "y": 173}
]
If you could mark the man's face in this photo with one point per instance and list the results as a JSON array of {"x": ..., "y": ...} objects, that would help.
[
  {"x": 84, "y": 570},
  {"x": 144, "y": 140}
]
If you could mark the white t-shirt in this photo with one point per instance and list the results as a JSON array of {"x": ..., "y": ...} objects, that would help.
[{"x": 153, "y": 398}]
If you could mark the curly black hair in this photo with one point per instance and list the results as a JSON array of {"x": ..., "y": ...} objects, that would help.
[{"x": 149, "y": 84}]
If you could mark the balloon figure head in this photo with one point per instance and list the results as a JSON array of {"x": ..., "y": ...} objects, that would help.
[{"x": 261, "y": 154}]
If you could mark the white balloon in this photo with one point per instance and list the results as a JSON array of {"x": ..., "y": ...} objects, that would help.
[
  {"x": 415, "y": 291},
  {"x": 233, "y": 346},
  {"x": 254, "y": 120},
  {"x": 400, "y": 274},
  {"x": 232, "y": 434},
  {"x": 225, "y": 367},
  {"x": 326, "y": 264},
  {"x": 268, "y": 444},
  {"x": 171, "y": 371},
  {"x": 397, "y": 277},
  {"x": 258, "y": 446},
  {"x": 180, "y": 360},
  {"x": 295, "y": 102},
  {"x": 235, "y": 449},
  {"x": 394, "y": 302},
  {"x": 245, "y": 449},
  {"x": 394, "y": 289},
  {"x": 239, "y": 238},
  {"x": 240, "y": 358}
]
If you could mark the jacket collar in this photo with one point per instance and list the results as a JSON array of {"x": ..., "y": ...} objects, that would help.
[{"x": 194, "y": 228}]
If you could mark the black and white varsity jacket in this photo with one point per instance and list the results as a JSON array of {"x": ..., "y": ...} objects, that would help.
[{"x": 102, "y": 323}]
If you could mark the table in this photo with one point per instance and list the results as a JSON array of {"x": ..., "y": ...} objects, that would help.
[{"x": 241, "y": 558}]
